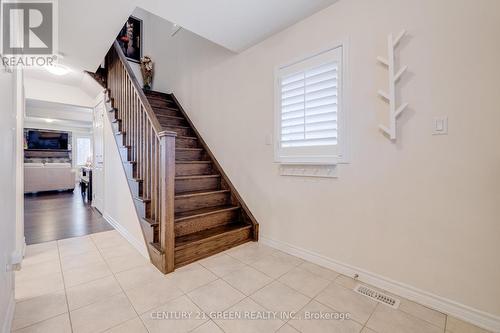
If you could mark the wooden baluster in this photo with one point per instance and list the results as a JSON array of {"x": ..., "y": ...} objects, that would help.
[
  {"x": 121, "y": 109},
  {"x": 153, "y": 175},
  {"x": 158, "y": 170},
  {"x": 167, "y": 183},
  {"x": 132, "y": 126},
  {"x": 136, "y": 116},
  {"x": 125, "y": 106},
  {"x": 130, "y": 110},
  {"x": 145, "y": 184},
  {"x": 136, "y": 129},
  {"x": 139, "y": 147},
  {"x": 127, "y": 110},
  {"x": 118, "y": 88},
  {"x": 150, "y": 188},
  {"x": 143, "y": 143},
  {"x": 141, "y": 124}
]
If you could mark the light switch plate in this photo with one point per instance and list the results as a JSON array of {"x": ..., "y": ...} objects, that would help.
[{"x": 440, "y": 126}]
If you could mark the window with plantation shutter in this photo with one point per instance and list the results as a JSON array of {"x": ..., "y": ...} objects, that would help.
[{"x": 309, "y": 102}]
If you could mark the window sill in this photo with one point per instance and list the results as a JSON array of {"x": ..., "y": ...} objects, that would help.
[{"x": 309, "y": 170}]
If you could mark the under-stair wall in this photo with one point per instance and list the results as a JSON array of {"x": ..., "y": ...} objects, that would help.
[{"x": 119, "y": 208}]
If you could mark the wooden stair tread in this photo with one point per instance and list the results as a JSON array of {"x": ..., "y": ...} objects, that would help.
[
  {"x": 172, "y": 117},
  {"x": 160, "y": 98},
  {"x": 178, "y": 126},
  {"x": 196, "y": 177},
  {"x": 201, "y": 236},
  {"x": 165, "y": 108},
  {"x": 186, "y": 137},
  {"x": 192, "y": 162},
  {"x": 154, "y": 92},
  {"x": 203, "y": 212},
  {"x": 190, "y": 149},
  {"x": 198, "y": 193}
]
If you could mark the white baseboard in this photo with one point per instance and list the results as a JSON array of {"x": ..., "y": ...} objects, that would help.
[
  {"x": 9, "y": 316},
  {"x": 438, "y": 303},
  {"x": 138, "y": 244}
]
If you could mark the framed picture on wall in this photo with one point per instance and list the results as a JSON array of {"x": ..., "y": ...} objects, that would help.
[{"x": 130, "y": 39}]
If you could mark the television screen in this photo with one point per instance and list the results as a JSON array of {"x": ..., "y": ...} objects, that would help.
[{"x": 47, "y": 140}]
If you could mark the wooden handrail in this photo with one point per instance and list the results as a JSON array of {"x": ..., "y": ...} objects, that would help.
[
  {"x": 144, "y": 101},
  {"x": 151, "y": 149}
]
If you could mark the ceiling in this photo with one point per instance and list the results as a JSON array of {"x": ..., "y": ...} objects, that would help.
[
  {"x": 88, "y": 28},
  {"x": 235, "y": 25}
]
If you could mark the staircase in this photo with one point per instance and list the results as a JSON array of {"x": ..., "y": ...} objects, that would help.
[{"x": 187, "y": 205}]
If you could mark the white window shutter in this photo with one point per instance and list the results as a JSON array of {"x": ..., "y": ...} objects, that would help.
[{"x": 308, "y": 101}]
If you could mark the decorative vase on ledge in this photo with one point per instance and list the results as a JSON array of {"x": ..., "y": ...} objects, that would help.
[{"x": 147, "y": 72}]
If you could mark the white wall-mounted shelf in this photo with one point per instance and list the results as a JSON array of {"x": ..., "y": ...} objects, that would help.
[
  {"x": 304, "y": 170},
  {"x": 394, "y": 76}
]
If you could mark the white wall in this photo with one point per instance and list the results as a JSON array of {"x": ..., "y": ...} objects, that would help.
[
  {"x": 119, "y": 209},
  {"x": 7, "y": 197},
  {"x": 423, "y": 212}
]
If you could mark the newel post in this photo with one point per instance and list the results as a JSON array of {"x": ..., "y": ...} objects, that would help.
[{"x": 167, "y": 195}]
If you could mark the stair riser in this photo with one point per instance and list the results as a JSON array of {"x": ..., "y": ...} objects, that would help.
[
  {"x": 200, "y": 223},
  {"x": 179, "y": 131},
  {"x": 157, "y": 259},
  {"x": 197, "y": 184},
  {"x": 189, "y": 169},
  {"x": 120, "y": 139},
  {"x": 159, "y": 97},
  {"x": 157, "y": 94},
  {"x": 189, "y": 155},
  {"x": 129, "y": 170},
  {"x": 202, "y": 201},
  {"x": 116, "y": 127},
  {"x": 124, "y": 153},
  {"x": 172, "y": 121},
  {"x": 211, "y": 246},
  {"x": 135, "y": 187},
  {"x": 143, "y": 208},
  {"x": 113, "y": 113},
  {"x": 186, "y": 143},
  {"x": 148, "y": 232}
]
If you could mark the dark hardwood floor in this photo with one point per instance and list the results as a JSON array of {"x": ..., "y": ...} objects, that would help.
[{"x": 51, "y": 216}]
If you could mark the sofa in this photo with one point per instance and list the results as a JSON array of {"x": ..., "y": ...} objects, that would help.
[{"x": 39, "y": 177}]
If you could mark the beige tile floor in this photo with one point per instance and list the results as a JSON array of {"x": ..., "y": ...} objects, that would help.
[{"x": 100, "y": 283}]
